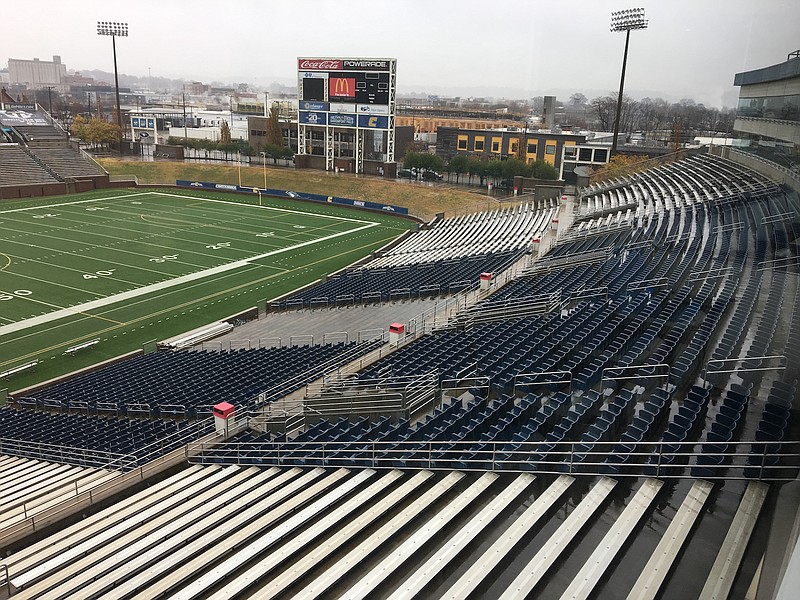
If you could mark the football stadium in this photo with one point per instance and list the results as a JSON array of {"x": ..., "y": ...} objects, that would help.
[{"x": 215, "y": 391}]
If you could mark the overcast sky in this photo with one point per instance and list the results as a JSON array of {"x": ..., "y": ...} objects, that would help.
[{"x": 504, "y": 48}]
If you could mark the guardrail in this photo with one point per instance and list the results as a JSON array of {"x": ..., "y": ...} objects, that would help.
[
  {"x": 654, "y": 459},
  {"x": 72, "y": 455}
]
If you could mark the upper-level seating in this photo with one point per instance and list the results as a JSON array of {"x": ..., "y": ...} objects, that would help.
[
  {"x": 67, "y": 162},
  {"x": 17, "y": 167},
  {"x": 498, "y": 231},
  {"x": 408, "y": 281},
  {"x": 40, "y": 133}
]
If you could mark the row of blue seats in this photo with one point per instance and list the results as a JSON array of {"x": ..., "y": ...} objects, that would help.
[
  {"x": 163, "y": 382},
  {"x": 381, "y": 285},
  {"x": 77, "y": 432},
  {"x": 723, "y": 431}
]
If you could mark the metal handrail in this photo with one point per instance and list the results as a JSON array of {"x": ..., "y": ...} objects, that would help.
[{"x": 556, "y": 458}]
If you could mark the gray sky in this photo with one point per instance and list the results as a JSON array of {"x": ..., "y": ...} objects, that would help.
[{"x": 511, "y": 48}]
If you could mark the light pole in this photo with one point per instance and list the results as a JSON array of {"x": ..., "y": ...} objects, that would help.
[
  {"x": 624, "y": 20},
  {"x": 50, "y": 99},
  {"x": 114, "y": 29},
  {"x": 264, "y": 162}
]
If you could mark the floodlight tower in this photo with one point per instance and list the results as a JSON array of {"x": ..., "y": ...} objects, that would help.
[
  {"x": 624, "y": 20},
  {"x": 114, "y": 29}
]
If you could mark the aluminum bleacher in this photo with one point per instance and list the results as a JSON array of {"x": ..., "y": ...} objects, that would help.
[
  {"x": 20, "y": 168},
  {"x": 67, "y": 162}
]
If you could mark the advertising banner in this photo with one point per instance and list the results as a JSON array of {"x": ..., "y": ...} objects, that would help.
[
  {"x": 399, "y": 210},
  {"x": 372, "y": 109},
  {"x": 342, "y": 87},
  {"x": 310, "y": 105},
  {"x": 11, "y": 118},
  {"x": 313, "y": 118},
  {"x": 319, "y": 64},
  {"x": 342, "y": 107},
  {"x": 373, "y": 122},
  {"x": 341, "y": 120},
  {"x": 365, "y": 65}
]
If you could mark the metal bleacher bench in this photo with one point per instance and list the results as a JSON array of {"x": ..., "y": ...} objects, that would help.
[
  {"x": 79, "y": 347},
  {"x": 10, "y": 372}
]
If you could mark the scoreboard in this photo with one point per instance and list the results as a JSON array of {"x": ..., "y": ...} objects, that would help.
[
  {"x": 350, "y": 93},
  {"x": 331, "y": 88}
]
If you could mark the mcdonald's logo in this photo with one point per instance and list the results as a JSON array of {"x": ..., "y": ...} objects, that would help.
[{"x": 342, "y": 87}]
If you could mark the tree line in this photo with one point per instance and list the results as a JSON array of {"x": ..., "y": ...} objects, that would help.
[
  {"x": 498, "y": 172},
  {"x": 656, "y": 119}
]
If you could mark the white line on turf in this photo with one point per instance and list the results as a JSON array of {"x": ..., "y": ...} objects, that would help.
[
  {"x": 87, "y": 306},
  {"x": 11, "y": 210}
]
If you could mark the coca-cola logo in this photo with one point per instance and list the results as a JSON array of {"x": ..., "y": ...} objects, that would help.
[{"x": 305, "y": 64}]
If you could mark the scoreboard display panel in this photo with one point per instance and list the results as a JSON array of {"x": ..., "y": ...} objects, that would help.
[
  {"x": 356, "y": 95},
  {"x": 341, "y": 80}
]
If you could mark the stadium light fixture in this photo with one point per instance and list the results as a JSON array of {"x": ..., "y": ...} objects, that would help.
[
  {"x": 627, "y": 21},
  {"x": 114, "y": 29}
]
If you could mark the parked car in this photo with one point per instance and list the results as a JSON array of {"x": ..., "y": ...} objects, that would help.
[
  {"x": 431, "y": 176},
  {"x": 407, "y": 173}
]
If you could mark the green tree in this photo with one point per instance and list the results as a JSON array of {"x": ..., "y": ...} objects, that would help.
[
  {"x": 274, "y": 133},
  {"x": 95, "y": 131},
  {"x": 224, "y": 133},
  {"x": 458, "y": 165},
  {"x": 542, "y": 170}
]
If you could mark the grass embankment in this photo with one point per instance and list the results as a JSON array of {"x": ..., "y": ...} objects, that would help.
[{"x": 423, "y": 200}]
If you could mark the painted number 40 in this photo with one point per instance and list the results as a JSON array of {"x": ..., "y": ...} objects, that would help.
[{"x": 98, "y": 274}]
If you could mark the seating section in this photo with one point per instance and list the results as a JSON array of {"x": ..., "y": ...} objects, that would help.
[
  {"x": 643, "y": 303},
  {"x": 91, "y": 441},
  {"x": 40, "y": 133},
  {"x": 20, "y": 168},
  {"x": 443, "y": 258},
  {"x": 173, "y": 383},
  {"x": 357, "y": 286},
  {"x": 652, "y": 358},
  {"x": 497, "y": 231},
  {"x": 67, "y": 162}
]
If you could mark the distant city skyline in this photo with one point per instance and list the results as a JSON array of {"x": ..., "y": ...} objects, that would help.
[{"x": 511, "y": 48}]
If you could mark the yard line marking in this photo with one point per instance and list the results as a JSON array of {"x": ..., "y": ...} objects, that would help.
[
  {"x": 143, "y": 318},
  {"x": 11, "y": 210},
  {"x": 161, "y": 237},
  {"x": 8, "y": 264},
  {"x": 88, "y": 306}
]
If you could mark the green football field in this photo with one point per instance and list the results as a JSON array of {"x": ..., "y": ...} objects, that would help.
[{"x": 128, "y": 266}]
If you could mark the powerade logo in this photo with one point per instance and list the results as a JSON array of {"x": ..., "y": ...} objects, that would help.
[{"x": 382, "y": 65}]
